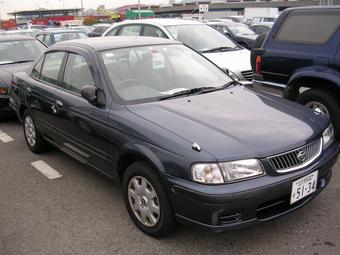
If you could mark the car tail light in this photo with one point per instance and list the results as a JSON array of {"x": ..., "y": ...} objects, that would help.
[
  {"x": 3, "y": 91},
  {"x": 258, "y": 64}
]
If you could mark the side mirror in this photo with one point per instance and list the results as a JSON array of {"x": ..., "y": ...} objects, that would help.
[{"x": 90, "y": 93}]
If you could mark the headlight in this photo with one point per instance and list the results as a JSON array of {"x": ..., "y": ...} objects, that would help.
[
  {"x": 207, "y": 173},
  {"x": 241, "y": 169},
  {"x": 226, "y": 171},
  {"x": 328, "y": 136}
]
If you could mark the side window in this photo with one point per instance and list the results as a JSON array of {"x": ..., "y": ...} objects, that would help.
[
  {"x": 315, "y": 27},
  {"x": 51, "y": 67},
  {"x": 77, "y": 73},
  {"x": 47, "y": 40},
  {"x": 36, "y": 70},
  {"x": 132, "y": 30},
  {"x": 153, "y": 32},
  {"x": 113, "y": 32}
]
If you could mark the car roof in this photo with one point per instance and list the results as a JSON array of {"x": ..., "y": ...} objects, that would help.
[
  {"x": 114, "y": 42},
  {"x": 58, "y": 31},
  {"x": 162, "y": 22},
  {"x": 314, "y": 7},
  {"x": 14, "y": 37}
]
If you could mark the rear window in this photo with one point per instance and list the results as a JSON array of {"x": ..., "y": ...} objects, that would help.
[{"x": 309, "y": 27}]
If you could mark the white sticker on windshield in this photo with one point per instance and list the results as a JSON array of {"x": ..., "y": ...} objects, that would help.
[
  {"x": 109, "y": 55},
  {"x": 158, "y": 61}
]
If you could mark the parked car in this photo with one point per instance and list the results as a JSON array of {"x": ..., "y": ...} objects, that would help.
[
  {"x": 187, "y": 142},
  {"x": 86, "y": 29},
  {"x": 261, "y": 28},
  {"x": 53, "y": 36},
  {"x": 16, "y": 54},
  {"x": 301, "y": 55},
  {"x": 236, "y": 19},
  {"x": 259, "y": 20},
  {"x": 27, "y": 32},
  {"x": 237, "y": 32},
  {"x": 99, "y": 29},
  {"x": 212, "y": 44}
]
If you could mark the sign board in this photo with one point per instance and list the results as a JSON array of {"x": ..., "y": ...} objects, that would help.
[{"x": 203, "y": 8}]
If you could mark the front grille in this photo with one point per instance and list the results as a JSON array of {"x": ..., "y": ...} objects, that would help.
[
  {"x": 296, "y": 159},
  {"x": 248, "y": 75}
]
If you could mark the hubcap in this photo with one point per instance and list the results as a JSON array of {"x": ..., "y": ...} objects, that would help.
[
  {"x": 144, "y": 201},
  {"x": 30, "y": 131},
  {"x": 319, "y": 108}
]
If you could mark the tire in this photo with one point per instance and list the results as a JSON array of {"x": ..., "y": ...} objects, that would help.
[
  {"x": 39, "y": 145},
  {"x": 257, "y": 44},
  {"x": 327, "y": 99},
  {"x": 165, "y": 223}
]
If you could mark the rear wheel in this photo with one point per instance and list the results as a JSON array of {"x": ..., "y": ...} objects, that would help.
[
  {"x": 146, "y": 200},
  {"x": 324, "y": 102},
  {"x": 34, "y": 140}
]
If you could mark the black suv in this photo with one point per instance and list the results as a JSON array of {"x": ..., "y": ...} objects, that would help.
[{"x": 301, "y": 55}]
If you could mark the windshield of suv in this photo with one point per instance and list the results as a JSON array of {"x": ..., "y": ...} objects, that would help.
[
  {"x": 150, "y": 73},
  {"x": 240, "y": 30},
  {"x": 201, "y": 37},
  {"x": 69, "y": 36},
  {"x": 19, "y": 51}
]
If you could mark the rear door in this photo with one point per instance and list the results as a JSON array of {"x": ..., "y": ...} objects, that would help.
[
  {"x": 41, "y": 90},
  {"x": 80, "y": 125},
  {"x": 303, "y": 39}
]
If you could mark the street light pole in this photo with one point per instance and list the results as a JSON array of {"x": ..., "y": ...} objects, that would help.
[{"x": 82, "y": 8}]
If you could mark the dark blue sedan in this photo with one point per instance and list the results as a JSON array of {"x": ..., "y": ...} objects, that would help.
[{"x": 188, "y": 143}]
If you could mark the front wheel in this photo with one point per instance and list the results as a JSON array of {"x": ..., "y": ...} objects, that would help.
[
  {"x": 146, "y": 200},
  {"x": 325, "y": 103}
]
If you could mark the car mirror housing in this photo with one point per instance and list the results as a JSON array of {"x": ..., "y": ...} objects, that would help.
[{"x": 90, "y": 93}]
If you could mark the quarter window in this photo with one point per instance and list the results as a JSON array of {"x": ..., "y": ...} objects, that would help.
[
  {"x": 315, "y": 27},
  {"x": 36, "y": 70},
  {"x": 47, "y": 40},
  {"x": 112, "y": 32},
  {"x": 153, "y": 32},
  {"x": 77, "y": 74},
  {"x": 133, "y": 30},
  {"x": 51, "y": 67}
]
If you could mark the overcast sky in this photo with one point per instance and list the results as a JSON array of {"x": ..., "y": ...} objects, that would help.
[{"x": 19, "y": 5}]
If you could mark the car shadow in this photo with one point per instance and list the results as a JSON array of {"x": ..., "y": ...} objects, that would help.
[{"x": 7, "y": 115}]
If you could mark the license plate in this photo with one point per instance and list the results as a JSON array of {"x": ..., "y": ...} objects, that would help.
[{"x": 304, "y": 187}]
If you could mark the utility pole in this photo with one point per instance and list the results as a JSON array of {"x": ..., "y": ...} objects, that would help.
[
  {"x": 82, "y": 8},
  {"x": 139, "y": 16}
]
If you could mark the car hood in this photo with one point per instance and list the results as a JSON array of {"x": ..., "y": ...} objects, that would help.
[
  {"x": 6, "y": 72},
  {"x": 236, "y": 123},
  {"x": 236, "y": 60}
]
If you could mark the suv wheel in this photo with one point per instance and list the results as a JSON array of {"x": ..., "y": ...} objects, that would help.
[
  {"x": 34, "y": 140},
  {"x": 325, "y": 103},
  {"x": 146, "y": 200}
]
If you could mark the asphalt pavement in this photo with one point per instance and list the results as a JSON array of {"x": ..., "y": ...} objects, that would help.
[{"x": 82, "y": 212}]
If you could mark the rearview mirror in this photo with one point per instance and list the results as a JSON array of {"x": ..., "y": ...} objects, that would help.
[{"x": 90, "y": 93}]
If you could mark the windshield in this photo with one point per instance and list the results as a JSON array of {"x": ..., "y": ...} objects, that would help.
[
  {"x": 60, "y": 37},
  {"x": 241, "y": 30},
  {"x": 148, "y": 73},
  {"x": 18, "y": 51},
  {"x": 200, "y": 37}
]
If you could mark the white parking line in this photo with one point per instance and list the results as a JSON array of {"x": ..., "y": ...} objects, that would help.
[
  {"x": 46, "y": 170},
  {"x": 5, "y": 138}
]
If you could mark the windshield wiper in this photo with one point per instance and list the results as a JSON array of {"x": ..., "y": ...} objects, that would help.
[
  {"x": 188, "y": 92},
  {"x": 218, "y": 49}
]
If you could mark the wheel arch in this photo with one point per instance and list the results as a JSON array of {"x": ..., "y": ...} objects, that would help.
[
  {"x": 134, "y": 153},
  {"x": 323, "y": 81}
]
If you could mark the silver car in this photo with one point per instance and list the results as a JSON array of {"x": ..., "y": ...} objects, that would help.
[{"x": 212, "y": 44}]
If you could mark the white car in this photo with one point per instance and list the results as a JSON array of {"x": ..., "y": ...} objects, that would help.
[{"x": 198, "y": 36}]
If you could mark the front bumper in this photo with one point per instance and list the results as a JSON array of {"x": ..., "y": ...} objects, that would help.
[
  {"x": 233, "y": 206},
  {"x": 4, "y": 101}
]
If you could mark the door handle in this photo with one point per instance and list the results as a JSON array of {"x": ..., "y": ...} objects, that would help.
[
  {"x": 29, "y": 90},
  {"x": 59, "y": 103}
]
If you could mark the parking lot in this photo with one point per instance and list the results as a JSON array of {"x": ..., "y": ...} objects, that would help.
[{"x": 82, "y": 212}]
